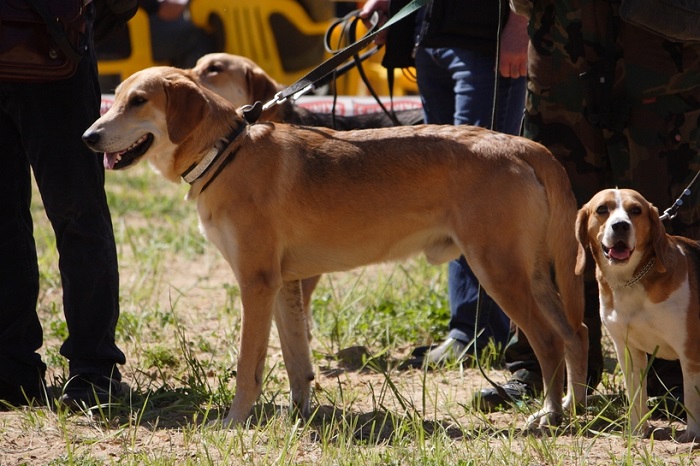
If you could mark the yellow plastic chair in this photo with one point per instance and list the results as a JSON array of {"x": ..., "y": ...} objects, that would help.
[
  {"x": 262, "y": 31},
  {"x": 141, "y": 52}
]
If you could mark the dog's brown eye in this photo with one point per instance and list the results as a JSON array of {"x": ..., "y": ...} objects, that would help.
[
  {"x": 602, "y": 210},
  {"x": 137, "y": 100},
  {"x": 636, "y": 210},
  {"x": 216, "y": 68}
]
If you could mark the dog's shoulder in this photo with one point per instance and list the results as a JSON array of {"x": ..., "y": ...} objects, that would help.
[{"x": 690, "y": 248}]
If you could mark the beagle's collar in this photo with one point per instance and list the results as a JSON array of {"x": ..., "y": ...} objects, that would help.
[
  {"x": 645, "y": 270},
  {"x": 199, "y": 169}
]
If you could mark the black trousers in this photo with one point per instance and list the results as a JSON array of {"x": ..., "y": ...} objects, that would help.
[{"x": 40, "y": 133}]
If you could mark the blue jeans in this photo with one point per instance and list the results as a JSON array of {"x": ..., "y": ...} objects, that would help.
[
  {"x": 457, "y": 87},
  {"x": 40, "y": 132}
]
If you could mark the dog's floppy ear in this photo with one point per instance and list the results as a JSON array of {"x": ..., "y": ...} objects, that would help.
[
  {"x": 582, "y": 238},
  {"x": 185, "y": 108},
  {"x": 659, "y": 239},
  {"x": 261, "y": 87}
]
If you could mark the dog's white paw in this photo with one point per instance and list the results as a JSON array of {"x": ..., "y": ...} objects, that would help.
[{"x": 542, "y": 419}]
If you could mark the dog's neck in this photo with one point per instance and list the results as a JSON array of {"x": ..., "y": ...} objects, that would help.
[
  {"x": 642, "y": 272},
  {"x": 218, "y": 156},
  {"x": 625, "y": 276}
]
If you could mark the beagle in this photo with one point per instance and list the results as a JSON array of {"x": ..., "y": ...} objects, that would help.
[{"x": 649, "y": 294}]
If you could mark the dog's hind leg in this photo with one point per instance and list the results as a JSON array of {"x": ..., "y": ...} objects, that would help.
[
  {"x": 576, "y": 354},
  {"x": 549, "y": 349},
  {"x": 568, "y": 325},
  {"x": 568, "y": 329},
  {"x": 293, "y": 328},
  {"x": 512, "y": 289}
]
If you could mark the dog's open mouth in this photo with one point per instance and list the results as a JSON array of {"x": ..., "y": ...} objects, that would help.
[
  {"x": 619, "y": 252},
  {"x": 124, "y": 158}
]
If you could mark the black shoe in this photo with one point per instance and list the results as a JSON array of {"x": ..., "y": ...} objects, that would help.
[
  {"x": 87, "y": 391},
  {"x": 13, "y": 395},
  {"x": 522, "y": 386}
]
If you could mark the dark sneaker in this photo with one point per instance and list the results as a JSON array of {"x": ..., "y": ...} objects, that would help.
[
  {"x": 522, "y": 386},
  {"x": 14, "y": 396},
  {"x": 87, "y": 391}
]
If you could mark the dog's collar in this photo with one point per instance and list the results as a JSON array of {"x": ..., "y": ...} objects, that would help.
[
  {"x": 196, "y": 170},
  {"x": 199, "y": 169},
  {"x": 645, "y": 270}
]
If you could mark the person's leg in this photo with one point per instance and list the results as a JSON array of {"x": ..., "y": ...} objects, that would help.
[
  {"x": 21, "y": 368},
  {"x": 435, "y": 86},
  {"x": 456, "y": 87},
  {"x": 580, "y": 147},
  {"x": 662, "y": 167},
  {"x": 51, "y": 118}
]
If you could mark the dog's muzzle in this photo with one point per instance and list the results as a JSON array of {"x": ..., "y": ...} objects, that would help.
[{"x": 615, "y": 244}]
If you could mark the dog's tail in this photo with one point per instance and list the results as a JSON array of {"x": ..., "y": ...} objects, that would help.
[{"x": 561, "y": 239}]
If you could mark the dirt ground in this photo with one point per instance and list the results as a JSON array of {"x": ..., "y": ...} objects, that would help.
[{"x": 40, "y": 437}]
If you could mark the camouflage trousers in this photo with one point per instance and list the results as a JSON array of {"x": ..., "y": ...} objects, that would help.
[{"x": 618, "y": 106}]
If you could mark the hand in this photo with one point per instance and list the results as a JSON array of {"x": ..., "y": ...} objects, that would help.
[
  {"x": 514, "y": 42},
  {"x": 170, "y": 10},
  {"x": 382, "y": 8}
]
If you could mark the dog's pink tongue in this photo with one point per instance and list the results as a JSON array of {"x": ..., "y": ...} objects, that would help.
[
  {"x": 620, "y": 254},
  {"x": 110, "y": 159}
]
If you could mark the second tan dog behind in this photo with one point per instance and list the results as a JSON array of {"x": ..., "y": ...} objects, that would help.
[
  {"x": 283, "y": 203},
  {"x": 242, "y": 82}
]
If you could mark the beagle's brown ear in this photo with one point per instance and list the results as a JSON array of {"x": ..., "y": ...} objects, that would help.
[
  {"x": 581, "y": 238},
  {"x": 186, "y": 107},
  {"x": 659, "y": 238},
  {"x": 261, "y": 87}
]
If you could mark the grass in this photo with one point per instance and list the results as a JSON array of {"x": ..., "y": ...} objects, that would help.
[{"x": 179, "y": 328}]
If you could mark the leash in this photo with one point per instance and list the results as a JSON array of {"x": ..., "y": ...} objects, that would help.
[
  {"x": 671, "y": 212},
  {"x": 349, "y": 26},
  {"x": 310, "y": 81},
  {"x": 480, "y": 295}
]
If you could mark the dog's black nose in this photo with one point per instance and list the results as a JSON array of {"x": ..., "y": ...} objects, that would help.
[
  {"x": 621, "y": 226},
  {"x": 91, "y": 138}
]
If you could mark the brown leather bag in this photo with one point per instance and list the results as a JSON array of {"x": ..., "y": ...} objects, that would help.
[{"x": 40, "y": 40}]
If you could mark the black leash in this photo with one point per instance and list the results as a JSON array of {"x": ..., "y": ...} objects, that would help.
[
  {"x": 349, "y": 25},
  {"x": 310, "y": 81},
  {"x": 671, "y": 212},
  {"x": 480, "y": 295}
]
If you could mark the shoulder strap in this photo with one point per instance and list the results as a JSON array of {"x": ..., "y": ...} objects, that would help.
[{"x": 57, "y": 33}]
